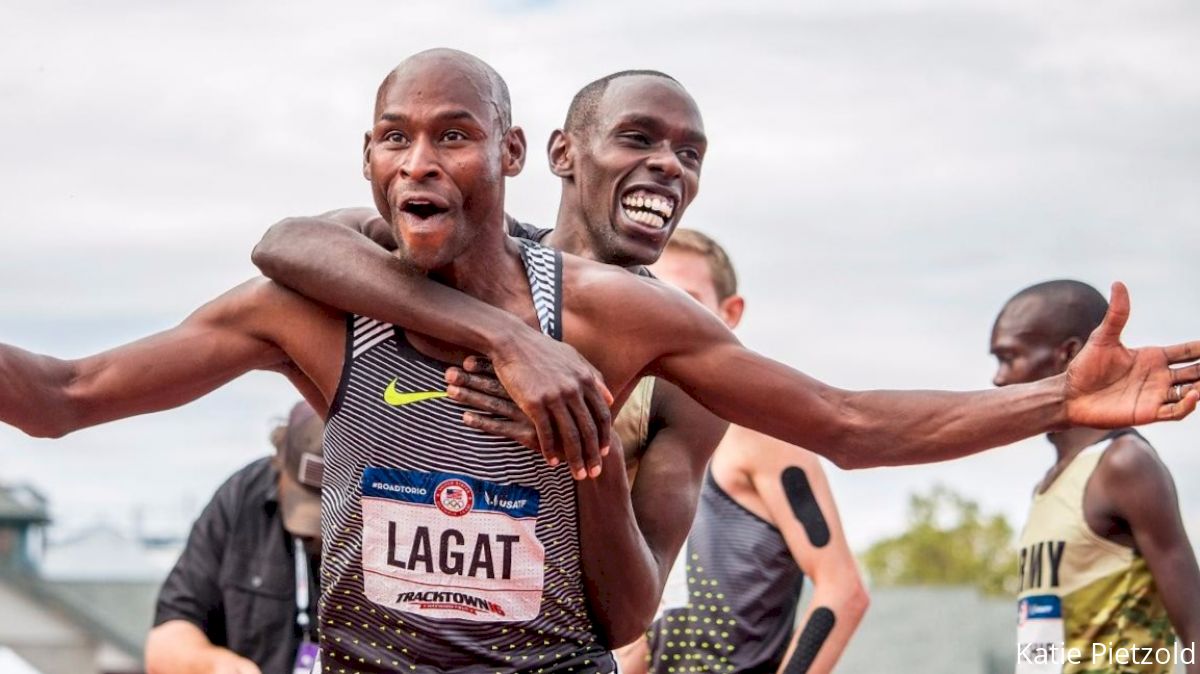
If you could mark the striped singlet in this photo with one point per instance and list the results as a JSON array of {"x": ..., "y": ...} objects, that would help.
[{"x": 445, "y": 548}]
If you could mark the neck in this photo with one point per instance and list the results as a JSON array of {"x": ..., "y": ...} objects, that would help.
[
  {"x": 489, "y": 269},
  {"x": 570, "y": 234},
  {"x": 1070, "y": 442}
]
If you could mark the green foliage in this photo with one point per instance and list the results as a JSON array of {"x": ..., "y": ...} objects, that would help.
[{"x": 948, "y": 542}]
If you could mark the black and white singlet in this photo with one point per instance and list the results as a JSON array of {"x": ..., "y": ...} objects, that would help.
[{"x": 445, "y": 548}]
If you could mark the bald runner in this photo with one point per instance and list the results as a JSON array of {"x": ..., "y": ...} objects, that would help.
[{"x": 1108, "y": 577}]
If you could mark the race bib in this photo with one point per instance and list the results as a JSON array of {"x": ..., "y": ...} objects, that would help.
[
  {"x": 443, "y": 545},
  {"x": 1040, "y": 635}
]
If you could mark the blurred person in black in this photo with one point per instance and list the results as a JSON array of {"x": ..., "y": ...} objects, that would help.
[{"x": 242, "y": 597}]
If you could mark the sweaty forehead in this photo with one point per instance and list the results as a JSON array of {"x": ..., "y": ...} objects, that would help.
[
  {"x": 438, "y": 84},
  {"x": 649, "y": 97}
]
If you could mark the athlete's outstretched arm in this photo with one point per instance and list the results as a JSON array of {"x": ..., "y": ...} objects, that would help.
[
  {"x": 1107, "y": 385},
  {"x": 50, "y": 397},
  {"x": 329, "y": 259},
  {"x": 796, "y": 493},
  {"x": 1143, "y": 495}
]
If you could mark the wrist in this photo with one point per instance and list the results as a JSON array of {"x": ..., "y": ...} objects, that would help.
[
  {"x": 1055, "y": 390},
  {"x": 502, "y": 337}
]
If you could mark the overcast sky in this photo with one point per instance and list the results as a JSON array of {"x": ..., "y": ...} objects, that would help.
[{"x": 885, "y": 175}]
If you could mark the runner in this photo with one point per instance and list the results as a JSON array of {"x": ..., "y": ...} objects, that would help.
[
  {"x": 762, "y": 497},
  {"x": 667, "y": 438},
  {"x": 1106, "y": 567},
  {"x": 437, "y": 158}
]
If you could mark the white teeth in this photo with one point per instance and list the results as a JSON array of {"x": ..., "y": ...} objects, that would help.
[
  {"x": 654, "y": 210},
  {"x": 646, "y": 218}
]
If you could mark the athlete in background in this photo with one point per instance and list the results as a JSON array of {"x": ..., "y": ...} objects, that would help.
[
  {"x": 1104, "y": 558},
  {"x": 767, "y": 518}
]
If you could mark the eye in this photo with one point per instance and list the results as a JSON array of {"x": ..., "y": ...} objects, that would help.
[
  {"x": 454, "y": 136},
  {"x": 690, "y": 155},
  {"x": 636, "y": 137},
  {"x": 395, "y": 137}
]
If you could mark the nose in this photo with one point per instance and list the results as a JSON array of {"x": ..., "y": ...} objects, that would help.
[
  {"x": 1002, "y": 376},
  {"x": 420, "y": 162},
  {"x": 666, "y": 162}
]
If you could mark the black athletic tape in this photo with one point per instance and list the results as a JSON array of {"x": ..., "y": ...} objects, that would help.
[
  {"x": 804, "y": 505},
  {"x": 820, "y": 624}
]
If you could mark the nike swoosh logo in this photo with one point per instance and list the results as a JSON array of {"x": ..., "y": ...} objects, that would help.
[{"x": 395, "y": 398}]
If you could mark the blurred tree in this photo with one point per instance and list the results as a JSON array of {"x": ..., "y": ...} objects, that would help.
[{"x": 948, "y": 542}]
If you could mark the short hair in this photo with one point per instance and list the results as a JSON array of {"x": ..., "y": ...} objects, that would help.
[
  {"x": 724, "y": 278},
  {"x": 499, "y": 86},
  {"x": 1076, "y": 308},
  {"x": 582, "y": 111}
]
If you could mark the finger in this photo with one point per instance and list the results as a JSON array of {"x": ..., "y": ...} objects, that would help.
[
  {"x": 1179, "y": 410},
  {"x": 513, "y": 430},
  {"x": 1178, "y": 392},
  {"x": 1182, "y": 353},
  {"x": 487, "y": 403},
  {"x": 479, "y": 364},
  {"x": 1185, "y": 375},
  {"x": 568, "y": 433},
  {"x": 608, "y": 396},
  {"x": 544, "y": 429},
  {"x": 589, "y": 438},
  {"x": 482, "y": 383},
  {"x": 602, "y": 415},
  {"x": 1109, "y": 331}
]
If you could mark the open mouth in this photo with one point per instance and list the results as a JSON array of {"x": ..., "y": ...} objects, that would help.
[
  {"x": 422, "y": 208},
  {"x": 648, "y": 208}
]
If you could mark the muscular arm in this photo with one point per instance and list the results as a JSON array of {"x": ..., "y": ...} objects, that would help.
[
  {"x": 330, "y": 259},
  {"x": 818, "y": 546},
  {"x": 1141, "y": 493},
  {"x": 1107, "y": 385},
  {"x": 653, "y": 516},
  {"x": 250, "y": 327}
]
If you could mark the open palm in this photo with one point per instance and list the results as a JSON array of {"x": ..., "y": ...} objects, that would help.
[{"x": 1110, "y": 386}]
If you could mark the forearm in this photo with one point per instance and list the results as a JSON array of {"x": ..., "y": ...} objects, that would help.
[
  {"x": 847, "y": 602},
  {"x": 179, "y": 647},
  {"x": 870, "y": 428},
  {"x": 340, "y": 267},
  {"x": 896, "y": 428},
  {"x": 33, "y": 393},
  {"x": 623, "y": 578}
]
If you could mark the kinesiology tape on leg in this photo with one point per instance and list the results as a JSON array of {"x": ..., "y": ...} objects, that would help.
[
  {"x": 816, "y": 631},
  {"x": 804, "y": 505}
]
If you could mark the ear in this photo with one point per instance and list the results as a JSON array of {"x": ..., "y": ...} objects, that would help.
[
  {"x": 1068, "y": 350},
  {"x": 559, "y": 152},
  {"x": 513, "y": 151},
  {"x": 366, "y": 167},
  {"x": 731, "y": 309}
]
